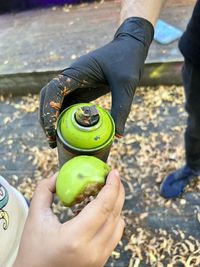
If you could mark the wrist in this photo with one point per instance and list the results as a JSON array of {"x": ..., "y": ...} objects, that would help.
[
  {"x": 137, "y": 28},
  {"x": 146, "y": 9}
]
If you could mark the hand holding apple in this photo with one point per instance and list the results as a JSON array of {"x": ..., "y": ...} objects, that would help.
[{"x": 87, "y": 240}]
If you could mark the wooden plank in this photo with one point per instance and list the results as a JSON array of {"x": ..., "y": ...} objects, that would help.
[{"x": 167, "y": 73}]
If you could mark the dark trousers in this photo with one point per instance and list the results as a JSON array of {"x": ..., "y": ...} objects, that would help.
[
  {"x": 190, "y": 47},
  {"x": 191, "y": 81}
]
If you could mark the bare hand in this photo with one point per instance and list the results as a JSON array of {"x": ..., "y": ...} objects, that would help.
[{"x": 87, "y": 240}]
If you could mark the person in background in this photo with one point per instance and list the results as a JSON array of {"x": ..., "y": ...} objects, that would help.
[
  {"x": 189, "y": 44},
  {"x": 118, "y": 67}
]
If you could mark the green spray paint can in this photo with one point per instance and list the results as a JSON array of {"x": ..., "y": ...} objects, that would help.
[{"x": 84, "y": 129}]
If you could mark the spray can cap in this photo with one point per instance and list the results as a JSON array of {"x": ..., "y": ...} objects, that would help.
[
  {"x": 87, "y": 115},
  {"x": 86, "y": 127}
]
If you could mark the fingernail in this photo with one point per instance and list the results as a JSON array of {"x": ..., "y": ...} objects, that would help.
[
  {"x": 116, "y": 173},
  {"x": 119, "y": 135},
  {"x": 53, "y": 176}
]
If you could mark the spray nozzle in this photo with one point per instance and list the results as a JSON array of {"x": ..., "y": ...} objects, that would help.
[{"x": 87, "y": 115}]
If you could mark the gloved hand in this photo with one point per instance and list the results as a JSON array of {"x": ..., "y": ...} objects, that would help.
[{"x": 116, "y": 67}]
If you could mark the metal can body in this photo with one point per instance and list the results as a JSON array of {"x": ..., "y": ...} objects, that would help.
[
  {"x": 67, "y": 150},
  {"x": 65, "y": 153}
]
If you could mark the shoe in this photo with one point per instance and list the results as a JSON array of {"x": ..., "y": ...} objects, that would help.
[{"x": 175, "y": 183}]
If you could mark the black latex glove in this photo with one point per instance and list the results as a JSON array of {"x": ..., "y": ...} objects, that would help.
[{"x": 116, "y": 67}]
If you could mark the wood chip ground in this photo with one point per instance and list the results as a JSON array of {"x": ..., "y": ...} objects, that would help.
[{"x": 158, "y": 232}]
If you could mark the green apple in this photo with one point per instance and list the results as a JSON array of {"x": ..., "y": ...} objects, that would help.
[{"x": 79, "y": 178}]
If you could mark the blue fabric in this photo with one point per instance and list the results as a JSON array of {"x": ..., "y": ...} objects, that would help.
[
  {"x": 33, "y": 3},
  {"x": 175, "y": 183},
  {"x": 18, "y": 5}
]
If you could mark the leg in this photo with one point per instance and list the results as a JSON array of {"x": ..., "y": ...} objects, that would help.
[
  {"x": 175, "y": 183},
  {"x": 191, "y": 80}
]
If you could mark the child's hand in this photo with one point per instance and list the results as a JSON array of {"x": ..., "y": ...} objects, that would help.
[{"x": 86, "y": 240}]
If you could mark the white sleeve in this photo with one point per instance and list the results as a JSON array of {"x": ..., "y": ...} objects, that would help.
[{"x": 13, "y": 213}]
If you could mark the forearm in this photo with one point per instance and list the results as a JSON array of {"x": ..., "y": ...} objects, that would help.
[{"x": 147, "y": 9}]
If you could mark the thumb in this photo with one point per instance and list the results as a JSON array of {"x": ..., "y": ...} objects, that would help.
[
  {"x": 43, "y": 196},
  {"x": 122, "y": 97}
]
